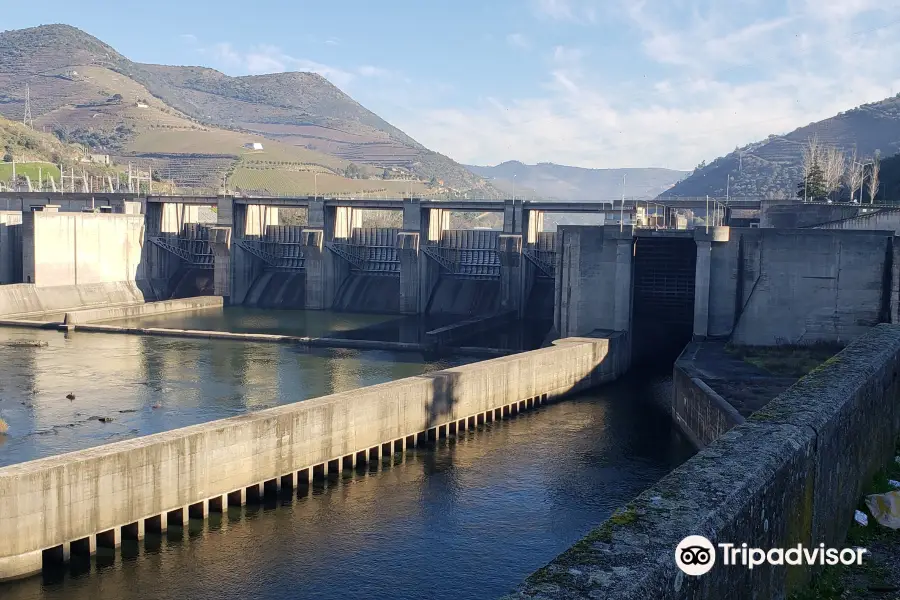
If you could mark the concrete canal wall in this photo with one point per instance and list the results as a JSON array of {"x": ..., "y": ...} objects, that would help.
[
  {"x": 72, "y": 502},
  {"x": 24, "y": 299},
  {"x": 94, "y": 315},
  {"x": 792, "y": 473}
]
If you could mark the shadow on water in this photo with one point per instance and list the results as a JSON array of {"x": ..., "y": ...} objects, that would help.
[{"x": 485, "y": 507}]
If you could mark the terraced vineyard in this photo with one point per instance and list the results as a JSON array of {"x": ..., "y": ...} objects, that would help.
[{"x": 305, "y": 183}]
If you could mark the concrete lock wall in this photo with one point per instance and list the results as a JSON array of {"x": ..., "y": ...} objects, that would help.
[
  {"x": 593, "y": 279},
  {"x": 61, "y": 249},
  {"x": 48, "y": 503},
  {"x": 806, "y": 286},
  {"x": 28, "y": 299},
  {"x": 10, "y": 247},
  {"x": 793, "y": 473}
]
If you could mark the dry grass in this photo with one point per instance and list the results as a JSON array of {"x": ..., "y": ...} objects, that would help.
[{"x": 787, "y": 361}]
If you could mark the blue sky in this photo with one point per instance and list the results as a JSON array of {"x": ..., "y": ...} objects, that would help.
[{"x": 594, "y": 83}]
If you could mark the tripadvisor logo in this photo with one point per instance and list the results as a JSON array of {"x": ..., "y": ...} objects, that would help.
[{"x": 695, "y": 555}]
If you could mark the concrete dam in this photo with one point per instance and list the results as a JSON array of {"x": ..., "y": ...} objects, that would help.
[{"x": 615, "y": 295}]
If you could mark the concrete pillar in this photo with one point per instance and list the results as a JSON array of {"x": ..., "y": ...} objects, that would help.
[
  {"x": 408, "y": 253},
  {"x": 534, "y": 224},
  {"x": 316, "y": 273},
  {"x": 593, "y": 279},
  {"x": 513, "y": 216},
  {"x": 511, "y": 289},
  {"x": 224, "y": 207},
  {"x": 434, "y": 222},
  {"x": 412, "y": 215},
  {"x": 220, "y": 240},
  {"x": 701, "y": 289},
  {"x": 704, "y": 238},
  {"x": 245, "y": 267},
  {"x": 623, "y": 282}
]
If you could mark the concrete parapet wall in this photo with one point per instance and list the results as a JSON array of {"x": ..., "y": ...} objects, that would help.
[
  {"x": 29, "y": 299},
  {"x": 881, "y": 220},
  {"x": 51, "y": 502},
  {"x": 698, "y": 411},
  {"x": 93, "y": 315},
  {"x": 793, "y": 214},
  {"x": 793, "y": 473}
]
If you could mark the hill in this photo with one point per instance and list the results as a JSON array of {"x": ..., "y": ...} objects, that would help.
[
  {"x": 559, "y": 182},
  {"x": 773, "y": 167},
  {"x": 39, "y": 156},
  {"x": 86, "y": 92}
]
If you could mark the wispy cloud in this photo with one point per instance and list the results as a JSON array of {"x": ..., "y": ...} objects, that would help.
[
  {"x": 721, "y": 77},
  {"x": 262, "y": 59},
  {"x": 554, "y": 9},
  {"x": 518, "y": 40}
]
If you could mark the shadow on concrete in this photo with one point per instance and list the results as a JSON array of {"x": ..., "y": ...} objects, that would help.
[{"x": 444, "y": 396}]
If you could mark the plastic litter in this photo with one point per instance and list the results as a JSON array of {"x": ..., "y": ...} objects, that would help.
[
  {"x": 885, "y": 508},
  {"x": 861, "y": 518},
  {"x": 894, "y": 484},
  {"x": 656, "y": 500}
]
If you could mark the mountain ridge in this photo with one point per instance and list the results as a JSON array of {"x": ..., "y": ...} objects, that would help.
[
  {"x": 773, "y": 167},
  {"x": 567, "y": 183},
  {"x": 70, "y": 71}
]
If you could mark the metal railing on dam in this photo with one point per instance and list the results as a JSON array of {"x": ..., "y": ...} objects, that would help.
[{"x": 72, "y": 503}]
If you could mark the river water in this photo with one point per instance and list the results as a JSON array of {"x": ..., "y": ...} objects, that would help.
[{"x": 468, "y": 519}]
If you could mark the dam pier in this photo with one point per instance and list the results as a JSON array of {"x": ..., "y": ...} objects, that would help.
[{"x": 611, "y": 296}]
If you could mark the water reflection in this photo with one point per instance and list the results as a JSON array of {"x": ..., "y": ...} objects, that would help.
[
  {"x": 145, "y": 384},
  {"x": 391, "y": 328},
  {"x": 469, "y": 519}
]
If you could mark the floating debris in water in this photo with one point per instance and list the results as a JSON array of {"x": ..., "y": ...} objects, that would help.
[
  {"x": 70, "y": 396},
  {"x": 128, "y": 410},
  {"x": 26, "y": 344},
  {"x": 157, "y": 405},
  {"x": 101, "y": 419},
  {"x": 3, "y": 427}
]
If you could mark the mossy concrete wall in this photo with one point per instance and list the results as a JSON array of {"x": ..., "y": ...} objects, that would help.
[{"x": 792, "y": 473}]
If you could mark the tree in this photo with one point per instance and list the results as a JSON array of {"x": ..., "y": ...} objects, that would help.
[
  {"x": 833, "y": 164},
  {"x": 855, "y": 176},
  {"x": 352, "y": 171},
  {"x": 7, "y": 158},
  {"x": 812, "y": 187},
  {"x": 811, "y": 158},
  {"x": 873, "y": 177}
]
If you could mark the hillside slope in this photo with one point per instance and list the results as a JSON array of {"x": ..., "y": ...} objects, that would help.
[
  {"x": 560, "y": 182},
  {"x": 91, "y": 94},
  {"x": 772, "y": 167}
]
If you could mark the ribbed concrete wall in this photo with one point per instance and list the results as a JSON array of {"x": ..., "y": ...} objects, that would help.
[{"x": 54, "y": 501}]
